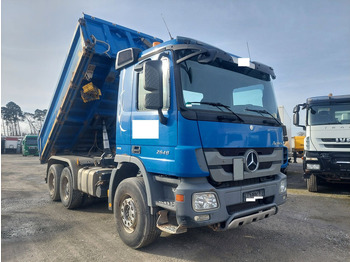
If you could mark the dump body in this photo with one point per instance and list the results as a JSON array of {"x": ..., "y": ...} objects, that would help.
[{"x": 75, "y": 116}]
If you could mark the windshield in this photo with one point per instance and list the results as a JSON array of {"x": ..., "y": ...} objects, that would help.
[
  {"x": 31, "y": 141},
  {"x": 203, "y": 84},
  {"x": 329, "y": 114}
]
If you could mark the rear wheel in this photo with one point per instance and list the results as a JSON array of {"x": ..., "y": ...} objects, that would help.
[
  {"x": 312, "y": 183},
  {"x": 70, "y": 198},
  {"x": 135, "y": 224},
  {"x": 53, "y": 181}
]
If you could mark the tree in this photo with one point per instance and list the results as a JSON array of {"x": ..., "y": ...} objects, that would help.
[
  {"x": 11, "y": 115},
  {"x": 5, "y": 120},
  {"x": 39, "y": 115},
  {"x": 31, "y": 122},
  {"x": 35, "y": 120}
]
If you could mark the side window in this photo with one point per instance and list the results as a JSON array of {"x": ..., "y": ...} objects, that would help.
[{"x": 166, "y": 87}]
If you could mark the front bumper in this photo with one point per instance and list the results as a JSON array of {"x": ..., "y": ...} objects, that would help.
[
  {"x": 233, "y": 210},
  {"x": 247, "y": 219},
  {"x": 328, "y": 165}
]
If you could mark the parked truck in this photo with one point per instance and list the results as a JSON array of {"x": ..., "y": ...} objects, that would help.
[
  {"x": 327, "y": 141},
  {"x": 11, "y": 144},
  {"x": 286, "y": 121},
  {"x": 174, "y": 134},
  {"x": 30, "y": 145}
]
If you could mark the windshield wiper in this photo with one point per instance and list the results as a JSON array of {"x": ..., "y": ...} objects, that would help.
[
  {"x": 263, "y": 111},
  {"x": 219, "y": 105}
]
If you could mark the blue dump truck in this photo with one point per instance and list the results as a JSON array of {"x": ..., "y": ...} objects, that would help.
[{"x": 175, "y": 135}]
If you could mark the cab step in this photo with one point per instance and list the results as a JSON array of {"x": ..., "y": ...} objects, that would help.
[{"x": 164, "y": 225}]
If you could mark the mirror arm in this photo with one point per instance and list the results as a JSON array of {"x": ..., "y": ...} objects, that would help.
[{"x": 163, "y": 120}]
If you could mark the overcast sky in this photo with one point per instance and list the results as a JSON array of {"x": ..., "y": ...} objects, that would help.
[{"x": 306, "y": 42}]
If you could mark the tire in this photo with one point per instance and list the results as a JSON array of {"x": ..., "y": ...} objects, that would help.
[
  {"x": 312, "y": 183},
  {"x": 53, "y": 181},
  {"x": 70, "y": 197},
  {"x": 135, "y": 224}
]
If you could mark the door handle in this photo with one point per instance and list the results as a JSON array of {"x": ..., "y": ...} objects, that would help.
[{"x": 136, "y": 149}]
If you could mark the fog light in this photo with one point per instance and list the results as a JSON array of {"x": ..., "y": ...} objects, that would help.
[
  {"x": 204, "y": 201},
  {"x": 283, "y": 186},
  {"x": 201, "y": 218},
  {"x": 313, "y": 166}
]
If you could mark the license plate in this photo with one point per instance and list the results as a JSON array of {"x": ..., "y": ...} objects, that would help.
[{"x": 252, "y": 196}]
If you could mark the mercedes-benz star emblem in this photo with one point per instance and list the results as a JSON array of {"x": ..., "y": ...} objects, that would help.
[{"x": 251, "y": 160}]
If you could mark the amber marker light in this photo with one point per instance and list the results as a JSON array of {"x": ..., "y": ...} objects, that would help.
[
  {"x": 180, "y": 198},
  {"x": 156, "y": 43}
]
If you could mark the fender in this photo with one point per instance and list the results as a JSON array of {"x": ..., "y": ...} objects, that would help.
[
  {"x": 70, "y": 161},
  {"x": 118, "y": 175}
]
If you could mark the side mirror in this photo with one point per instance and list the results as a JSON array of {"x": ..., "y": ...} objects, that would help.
[
  {"x": 153, "y": 84},
  {"x": 153, "y": 77},
  {"x": 127, "y": 57},
  {"x": 296, "y": 118},
  {"x": 296, "y": 109},
  {"x": 296, "y": 121}
]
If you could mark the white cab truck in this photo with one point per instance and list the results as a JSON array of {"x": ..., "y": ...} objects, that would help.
[{"x": 327, "y": 141}]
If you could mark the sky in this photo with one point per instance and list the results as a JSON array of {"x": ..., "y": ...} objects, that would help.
[{"x": 306, "y": 42}]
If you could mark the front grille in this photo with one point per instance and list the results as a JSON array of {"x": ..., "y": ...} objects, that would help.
[
  {"x": 336, "y": 146},
  {"x": 241, "y": 151},
  {"x": 338, "y": 143},
  {"x": 245, "y": 182},
  {"x": 263, "y": 165},
  {"x": 224, "y": 162},
  {"x": 328, "y": 140}
]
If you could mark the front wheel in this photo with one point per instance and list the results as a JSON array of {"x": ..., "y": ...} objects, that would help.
[
  {"x": 136, "y": 226},
  {"x": 312, "y": 183}
]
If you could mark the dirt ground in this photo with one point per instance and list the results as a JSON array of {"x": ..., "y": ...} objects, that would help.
[{"x": 309, "y": 227}]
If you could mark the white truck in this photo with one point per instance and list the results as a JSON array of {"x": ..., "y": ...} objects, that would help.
[
  {"x": 10, "y": 144},
  {"x": 327, "y": 141}
]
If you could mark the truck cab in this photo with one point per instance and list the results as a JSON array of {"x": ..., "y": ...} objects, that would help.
[
  {"x": 327, "y": 141},
  {"x": 30, "y": 145}
]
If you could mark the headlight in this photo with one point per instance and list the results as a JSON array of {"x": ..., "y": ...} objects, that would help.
[
  {"x": 283, "y": 186},
  {"x": 204, "y": 201},
  {"x": 313, "y": 166}
]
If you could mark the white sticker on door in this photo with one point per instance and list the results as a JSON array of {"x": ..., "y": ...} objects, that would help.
[{"x": 145, "y": 129}]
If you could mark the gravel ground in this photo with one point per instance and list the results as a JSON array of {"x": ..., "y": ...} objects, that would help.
[{"x": 309, "y": 227}]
